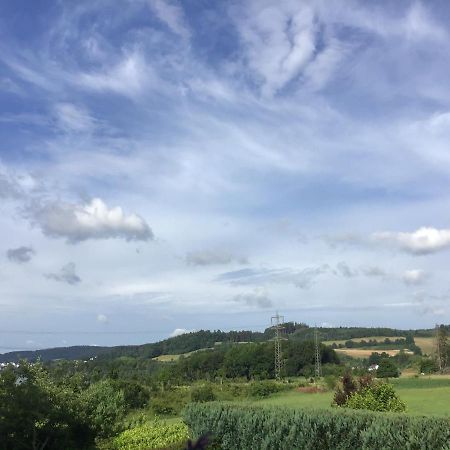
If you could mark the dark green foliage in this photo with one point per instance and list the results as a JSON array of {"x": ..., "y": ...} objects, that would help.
[
  {"x": 105, "y": 405},
  {"x": 279, "y": 429},
  {"x": 261, "y": 389},
  {"x": 387, "y": 369},
  {"x": 171, "y": 402},
  {"x": 36, "y": 413},
  {"x": 135, "y": 394},
  {"x": 206, "y": 339},
  {"x": 202, "y": 394},
  {"x": 248, "y": 361},
  {"x": 428, "y": 365}
]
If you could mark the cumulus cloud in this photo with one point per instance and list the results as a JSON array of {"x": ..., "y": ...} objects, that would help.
[
  {"x": 67, "y": 274},
  {"x": 258, "y": 297},
  {"x": 92, "y": 220},
  {"x": 179, "y": 332},
  {"x": 212, "y": 257},
  {"x": 102, "y": 318},
  {"x": 303, "y": 278},
  {"x": 20, "y": 254},
  {"x": 414, "y": 277},
  {"x": 423, "y": 241}
]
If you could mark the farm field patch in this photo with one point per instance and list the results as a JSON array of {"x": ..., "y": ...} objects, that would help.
[
  {"x": 428, "y": 396},
  {"x": 365, "y": 353}
]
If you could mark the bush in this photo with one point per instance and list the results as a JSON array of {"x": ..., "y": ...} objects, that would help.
[
  {"x": 261, "y": 389},
  {"x": 264, "y": 428},
  {"x": 154, "y": 435},
  {"x": 377, "y": 397},
  {"x": 330, "y": 382},
  {"x": 105, "y": 406},
  {"x": 136, "y": 395},
  {"x": 343, "y": 393},
  {"x": 387, "y": 369},
  {"x": 202, "y": 394},
  {"x": 163, "y": 406}
]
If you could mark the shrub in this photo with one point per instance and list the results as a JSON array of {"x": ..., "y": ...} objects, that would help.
[
  {"x": 105, "y": 406},
  {"x": 387, "y": 369},
  {"x": 237, "y": 427},
  {"x": 202, "y": 394},
  {"x": 330, "y": 382},
  {"x": 376, "y": 397},
  {"x": 150, "y": 436},
  {"x": 136, "y": 395},
  {"x": 163, "y": 406},
  {"x": 343, "y": 393},
  {"x": 261, "y": 389}
]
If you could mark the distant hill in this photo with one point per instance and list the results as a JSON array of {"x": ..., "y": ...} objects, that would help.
[
  {"x": 50, "y": 354},
  {"x": 205, "y": 339}
]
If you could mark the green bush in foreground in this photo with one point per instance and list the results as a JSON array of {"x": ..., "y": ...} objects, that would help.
[
  {"x": 202, "y": 394},
  {"x": 274, "y": 428},
  {"x": 151, "y": 436},
  {"x": 377, "y": 397}
]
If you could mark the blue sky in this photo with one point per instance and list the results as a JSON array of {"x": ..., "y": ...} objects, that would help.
[{"x": 170, "y": 166}]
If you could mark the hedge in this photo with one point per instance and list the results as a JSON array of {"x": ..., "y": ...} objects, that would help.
[{"x": 259, "y": 428}]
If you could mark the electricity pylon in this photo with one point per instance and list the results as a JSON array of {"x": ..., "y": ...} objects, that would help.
[
  {"x": 277, "y": 322},
  {"x": 318, "y": 362}
]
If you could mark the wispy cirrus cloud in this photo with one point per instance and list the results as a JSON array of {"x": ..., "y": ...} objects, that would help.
[
  {"x": 301, "y": 278},
  {"x": 214, "y": 257}
]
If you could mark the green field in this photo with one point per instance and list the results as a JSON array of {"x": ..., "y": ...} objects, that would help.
[{"x": 428, "y": 396}]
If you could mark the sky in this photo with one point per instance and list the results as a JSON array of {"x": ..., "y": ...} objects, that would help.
[{"x": 173, "y": 166}]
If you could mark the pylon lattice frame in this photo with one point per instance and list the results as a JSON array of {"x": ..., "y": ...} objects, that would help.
[
  {"x": 277, "y": 322},
  {"x": 318, "y": 362}
]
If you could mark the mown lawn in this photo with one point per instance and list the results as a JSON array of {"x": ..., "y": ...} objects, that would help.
[{"x": 423, "y": 396}]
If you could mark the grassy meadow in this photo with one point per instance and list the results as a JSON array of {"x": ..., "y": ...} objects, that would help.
[{"x": 428, "y": 396}]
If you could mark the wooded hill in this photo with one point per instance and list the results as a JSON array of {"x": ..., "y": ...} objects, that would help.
[{"x": 206, "y": 339}]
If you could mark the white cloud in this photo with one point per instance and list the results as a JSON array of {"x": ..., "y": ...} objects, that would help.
[
  {"x": 414, "y": 277},
  {"x": 172, "y": 15},
  {"x": 420, "y": 242},
  {"x": 278, "y": 41},
  {"x": 92, "y": 220},
  {"x": 102, "y": 318},
  {"x": 179, "y": 332},
  {"x": 73, "y": 118},
  {"x": 128, "y": 77}
]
